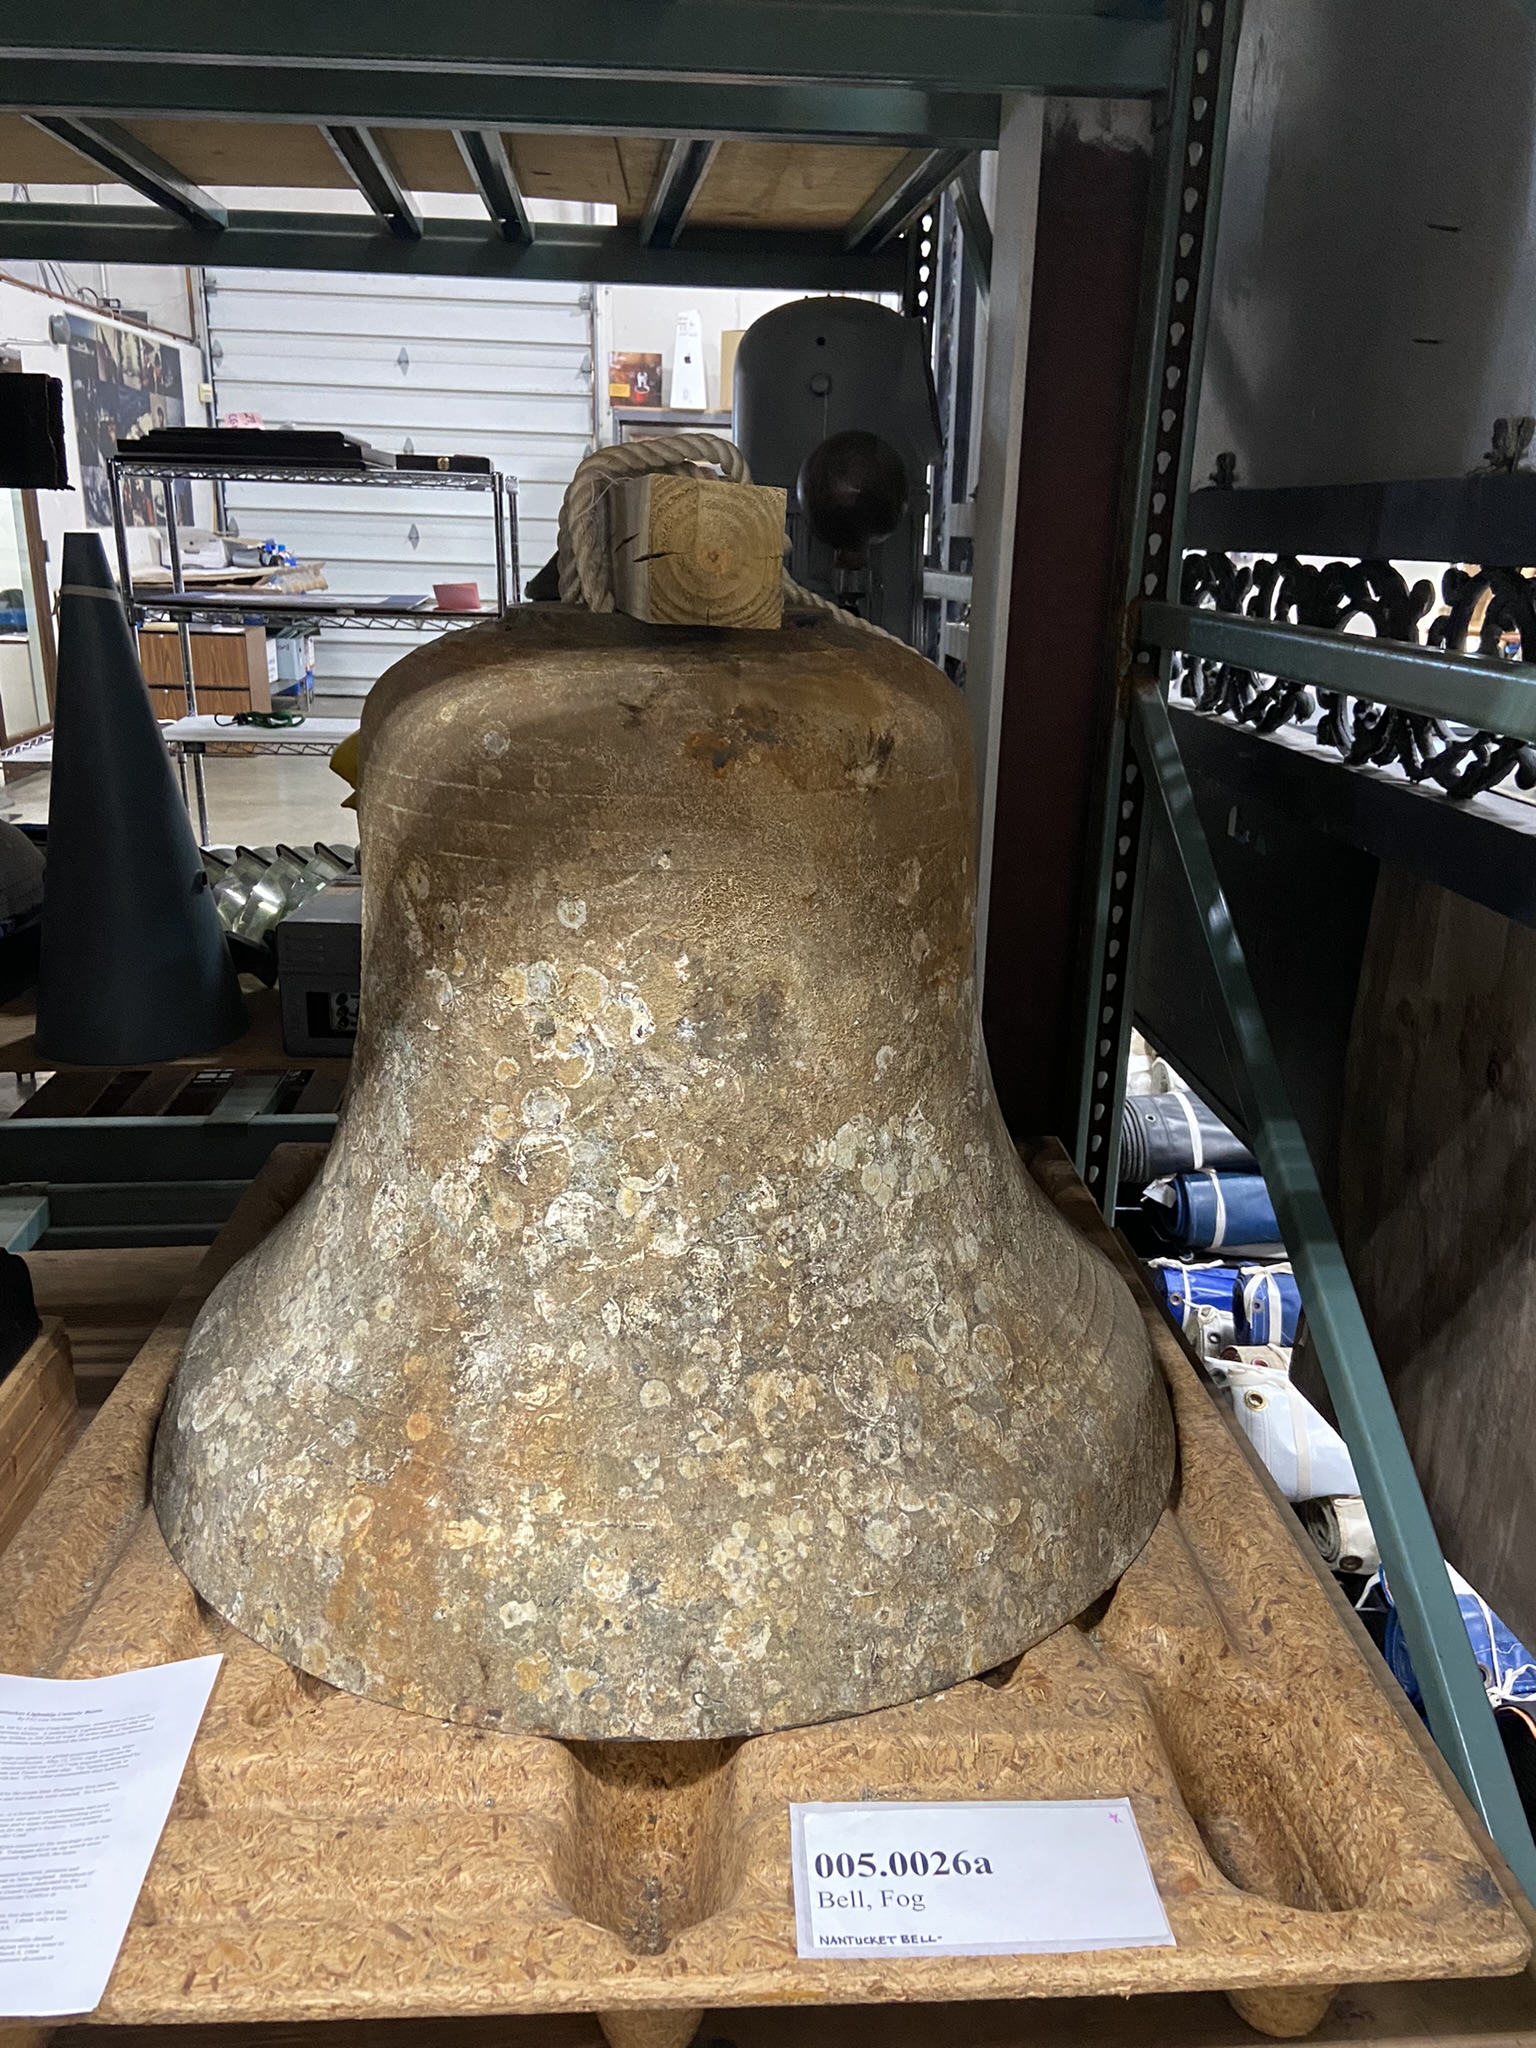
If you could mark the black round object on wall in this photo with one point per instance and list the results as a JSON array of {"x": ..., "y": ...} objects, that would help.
[{"x": 853, "y": 488}]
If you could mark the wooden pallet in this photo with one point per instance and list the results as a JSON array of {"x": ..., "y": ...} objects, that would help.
[
  {"x": 110, "y": 1300},
  {"x": 38, "y": 1423},
  {"x": 331, "y": 1859}
]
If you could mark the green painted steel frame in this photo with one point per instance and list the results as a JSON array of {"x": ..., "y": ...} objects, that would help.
[
  {"x": 925, "y": 74},
  {"x": 1191, "y": 155},
  {"x": 560, "y": 252},
  {"x": 911, "y": 117},
  {"x": 980, "y": 46},
  {"x": 1495, "y": 696},
  {"x": 1448, "y": 1676},
  {"x": 1142, "y": 765}
]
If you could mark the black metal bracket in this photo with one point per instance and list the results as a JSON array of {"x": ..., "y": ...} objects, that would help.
[
  {"x": 368, "y": 166},
  {"x": 913, "y": 186},
  {"x": 684, "y": 167},
  {"x": 486, "y": 160},
  {"x": 133, "y": 163}
]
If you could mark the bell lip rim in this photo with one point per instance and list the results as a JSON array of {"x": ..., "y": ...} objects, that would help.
[{"x": 456, "y": 1715}]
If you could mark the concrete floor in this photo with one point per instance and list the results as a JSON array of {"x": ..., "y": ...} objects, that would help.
[{"x": 255, "y": 800}]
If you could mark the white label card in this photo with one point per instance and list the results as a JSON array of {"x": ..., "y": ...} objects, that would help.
[
  {"x": 972, "y": 1878},
  {"x": 88, "y": 1770}
]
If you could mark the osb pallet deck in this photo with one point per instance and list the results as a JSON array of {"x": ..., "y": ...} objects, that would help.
[
  {"x": 38, "y": 1422},
  {"x": 328, "y": 1859}
]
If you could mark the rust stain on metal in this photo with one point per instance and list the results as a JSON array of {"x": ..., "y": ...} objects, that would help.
[{"x": 672, "y": 1345}]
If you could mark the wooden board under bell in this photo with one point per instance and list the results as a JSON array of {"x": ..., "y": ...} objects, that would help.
[
  {"x": 329, "y": 1858},
  {"x": 38, "y": 1421}
]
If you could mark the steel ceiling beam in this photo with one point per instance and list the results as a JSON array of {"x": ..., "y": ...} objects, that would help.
[
  {"x": 367, "y": 164},
  {"x": 561, "y": 252},
  {"x": 123, "y": 157},
  {"x": 892, "y": 115},
  {"x": 679, "y": 177},
  {"x": 486, "y": 160},
  {"x": 1051, "y": 46},
  {"x": 915, "y": 183}
]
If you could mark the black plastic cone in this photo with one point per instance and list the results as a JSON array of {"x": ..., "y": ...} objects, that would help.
[{"x": 134, "y": 964}]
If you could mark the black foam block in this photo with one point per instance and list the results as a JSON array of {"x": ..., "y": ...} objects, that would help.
[{"x": 32, "y": 452}]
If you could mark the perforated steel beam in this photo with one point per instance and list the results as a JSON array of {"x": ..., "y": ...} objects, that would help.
[
  {"x": 123, "y": 157},
  {"x": 486, "y": 160},
  {"x": 1192, "y": 149},
  {"x": 679, "y": 177},
  {"x": 975, "y": 228},
  {"x": 915, "y": 183},
  {"x": 368, "y": 166}
]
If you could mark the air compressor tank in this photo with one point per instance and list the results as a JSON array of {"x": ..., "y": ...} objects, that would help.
[{"x": 819, "y": 368}]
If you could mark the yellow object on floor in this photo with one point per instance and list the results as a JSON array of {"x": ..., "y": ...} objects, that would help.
[{"x": 344, "y": 764}]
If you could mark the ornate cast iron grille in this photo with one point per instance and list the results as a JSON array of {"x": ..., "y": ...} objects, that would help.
[{"x": 1489, "y": 611}]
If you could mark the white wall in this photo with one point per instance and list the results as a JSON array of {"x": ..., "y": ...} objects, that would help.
[
  {"x": 476, "y": 366},
  {"x": 24, "y": 314},
  {"x": 161, "y": 293}
]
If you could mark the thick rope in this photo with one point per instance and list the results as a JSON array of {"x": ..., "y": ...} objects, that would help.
[
  {"x": 585, "y": 534},
  {"x": 586, "y": 561}
]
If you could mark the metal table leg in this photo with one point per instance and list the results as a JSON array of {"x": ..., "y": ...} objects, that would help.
[{"x": 189, "y": 684}]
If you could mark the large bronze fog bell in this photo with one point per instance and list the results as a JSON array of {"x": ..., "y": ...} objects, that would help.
[{"x": 672, "y": 1345}]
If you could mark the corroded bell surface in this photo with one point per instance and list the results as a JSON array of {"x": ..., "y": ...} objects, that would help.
[{"x": 672, "y": 1345}]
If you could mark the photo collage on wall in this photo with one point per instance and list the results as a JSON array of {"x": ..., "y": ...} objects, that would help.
[{"x": 123, "y": 384}]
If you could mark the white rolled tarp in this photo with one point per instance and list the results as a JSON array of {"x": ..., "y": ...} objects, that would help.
[
  {"x": 1342, "y": 1531},
  {"x": 1304, "y": 1455}
]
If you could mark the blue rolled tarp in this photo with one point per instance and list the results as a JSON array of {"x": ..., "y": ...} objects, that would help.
[
  {"x": 1199, "y": 1298},
  {"x": 1206, "y": 1211},
  {"x": 1507, "y": 1667},
  {"x": 1266, "y": 1306},
  {"x": 1183, "y": 1286}
]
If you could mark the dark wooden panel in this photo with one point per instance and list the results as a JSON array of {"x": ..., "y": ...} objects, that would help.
[
  {"x": 1301, "y": 901},
  {"x": 228, "y": 669},
  {"x": 1438, "y": 1211},
  {"x": 1058, "y": 673}
]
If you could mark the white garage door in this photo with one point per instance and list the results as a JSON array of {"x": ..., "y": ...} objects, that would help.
[{"x": 458, "y": 366}]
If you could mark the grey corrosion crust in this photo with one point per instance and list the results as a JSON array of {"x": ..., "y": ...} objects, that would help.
[{"x": 672, "y": 1345}]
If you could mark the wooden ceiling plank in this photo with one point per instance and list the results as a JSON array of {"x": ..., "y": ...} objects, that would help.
[
  {"x": 279, "y": 153},
  {"x": 793, "y": 186}
]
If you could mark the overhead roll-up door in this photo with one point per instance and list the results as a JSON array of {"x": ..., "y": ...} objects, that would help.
[{"x": 463, "y": 366}]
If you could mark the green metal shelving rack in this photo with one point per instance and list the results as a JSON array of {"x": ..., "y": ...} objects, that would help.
[{"x": 932, "y": 78}]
